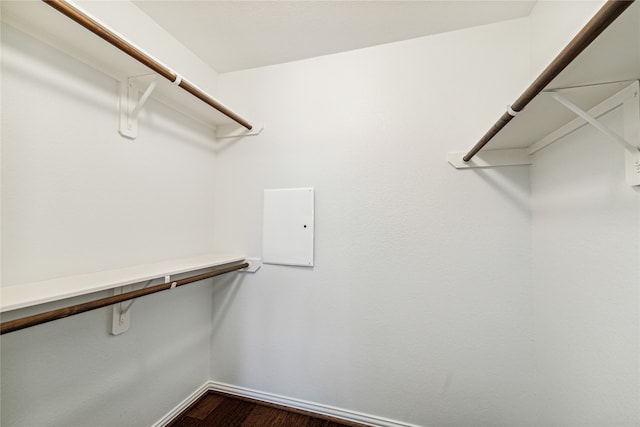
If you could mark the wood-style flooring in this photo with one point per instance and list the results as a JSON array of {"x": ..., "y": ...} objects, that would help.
[{"x": 222, "y": 410}]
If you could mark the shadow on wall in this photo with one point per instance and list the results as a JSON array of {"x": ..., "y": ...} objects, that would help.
[
  {"x": 157, "y": 117},
  {"x": 56, "y": 73},
  {"x": 515, "y": 191},
  {"x": 53, "y": 73},
  {"x": 222, "y": 145},
  {"x": 86, "y": 367},
  {"x": 223, "y": 295}
]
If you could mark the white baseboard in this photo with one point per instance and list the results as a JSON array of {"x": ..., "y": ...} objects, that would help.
[
  {"x": 290, "y": 402},
  {"x": 303, "y": 405},
  {"x": 182, "y": 406}
]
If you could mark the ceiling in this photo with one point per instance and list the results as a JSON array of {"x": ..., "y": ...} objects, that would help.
[{"x": 236, "y": 35}]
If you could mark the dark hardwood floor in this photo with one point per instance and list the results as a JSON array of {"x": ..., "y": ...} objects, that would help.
[{"x": 218, "y": 409}]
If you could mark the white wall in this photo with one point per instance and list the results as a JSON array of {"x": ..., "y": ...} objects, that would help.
[
  {"x": 76, "y": 197},
  {"x": 439, "y": 297},
  {"x": 419, "y": 305},
  {"x": 586, "y": 223},
  {"x": 586, "y": 253}
]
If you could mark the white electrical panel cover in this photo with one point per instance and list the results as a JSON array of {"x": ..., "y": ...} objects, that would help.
[{"x": 287, "y": 226}]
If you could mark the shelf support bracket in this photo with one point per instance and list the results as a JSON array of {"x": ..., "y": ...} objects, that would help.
[
  {"x": 121, "y": 314},
  {"x": 131, "y": 105},
  {"x": 121, "y": 318},
  {"x": 593, "y": 122},
  {"x": 234, "y": 130},
  {"x": 254, "y": 265},
  {"x": 491, "y": 159},
  {"x": 631, "y": 111}
]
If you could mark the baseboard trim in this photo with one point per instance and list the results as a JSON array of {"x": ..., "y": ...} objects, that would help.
[
  {"x": 303, "y": 405},
  {"x": 182, "y": 406}
]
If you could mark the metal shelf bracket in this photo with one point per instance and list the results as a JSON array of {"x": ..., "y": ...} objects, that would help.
[
  {"x": 130, "y": 105},
  {"x": 611, "y": 135},
  {"x": 631, "y": 111},
  {"x": 234, "y": 130},
  {"x": 121, "y": 318},
  {"x": 631, "y": 139},
  {"x": 491, "y": 159},
  {"x": 121, "y": 314},
  {"x": 254, "y": 265}
]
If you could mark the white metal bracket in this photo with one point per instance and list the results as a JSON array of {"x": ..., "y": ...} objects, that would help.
[
  {"x": 233, "y": 130},
  {"x": 631, "y": 140},
  {"x": 121, "y": 316},
  {"x": 491, "y": 158},
  {"x": 631, "y": 111},
  {"x": 611, "y": 135},
  {"x": 130, "y": 105},
  {"x": 254, "y": 265}
]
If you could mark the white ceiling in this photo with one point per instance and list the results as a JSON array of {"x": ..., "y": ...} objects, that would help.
[{"x": 235, "y": 35}]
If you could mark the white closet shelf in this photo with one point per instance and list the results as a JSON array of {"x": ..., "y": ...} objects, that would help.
[
  {"x": 31, "y": 294},
  {"x": 607, "y": 66},
  {"x": 52, "y": 27}
]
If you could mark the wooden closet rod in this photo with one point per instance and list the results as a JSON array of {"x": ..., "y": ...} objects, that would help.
[
  {"x": 37, "y": 319},
  {"x": 601, "y": 20},
  {"x": 99, "y": 30}
]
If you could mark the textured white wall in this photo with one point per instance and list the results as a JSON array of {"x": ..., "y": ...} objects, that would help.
[
  {"x": 423, "y": 305},
  {"x": 586, "y": 260},
  {"x": 419, "y": 305},
  {"x": 76, "y": 197},
  {"x": 586, "y": 223}
]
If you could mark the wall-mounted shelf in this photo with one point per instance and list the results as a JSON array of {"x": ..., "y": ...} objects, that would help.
[
  {"x": 607, "y": 66},
  {"x": 30, "y": 294},
  {"x": 122, "y": 300},
  {"x": 49, "y": 25}
]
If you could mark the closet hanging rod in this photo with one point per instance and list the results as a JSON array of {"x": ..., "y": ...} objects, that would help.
[
  {"x": 37, "y": 319},
  {"x": 600, "y": 21},
  {"x": 101, "y": 31}
]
